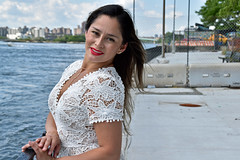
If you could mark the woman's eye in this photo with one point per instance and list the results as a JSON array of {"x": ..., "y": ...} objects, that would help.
[
  {"x": 111, "y": 40},
  {"x": 94, "y": 32}
]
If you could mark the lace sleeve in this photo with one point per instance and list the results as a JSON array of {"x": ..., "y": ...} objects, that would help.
[{"x": 105, "y": 100}]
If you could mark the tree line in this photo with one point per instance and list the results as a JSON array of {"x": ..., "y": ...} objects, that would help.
[{"x": 223, "y": 14}]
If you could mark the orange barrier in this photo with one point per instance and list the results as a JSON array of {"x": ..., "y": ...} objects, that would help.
[{"x": 194, "y": 43}]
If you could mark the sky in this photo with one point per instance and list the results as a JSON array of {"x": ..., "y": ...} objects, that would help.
[{"x": 70, "y": 13}]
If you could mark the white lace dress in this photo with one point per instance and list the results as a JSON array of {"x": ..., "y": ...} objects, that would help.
[{"x": 97, "y": 97}]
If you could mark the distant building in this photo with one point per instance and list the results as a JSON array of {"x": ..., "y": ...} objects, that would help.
[
  {"x": 49, "y": 35},
  {"x": 54, "y": 31},
  {"x": 13, "y": 30},
  {"x": 34, "y": 32},
  {"x": 61, "y": 31},
  {"x": 28, "y": 34},
  {"x": 41, "y": 32},
  {"x": 67, "y": 31},
  {"x": 46, "y": 30},
  {"x": 25, "y": 30},
  {"x": 38, "y": 32},
  {"x": 83, "y": 27},
  {"x": 15, "y": 36},
  {"x": 3, "y": 31},
  {"x": 78, "y": 30},
  {"x": 14, "y": 33}
]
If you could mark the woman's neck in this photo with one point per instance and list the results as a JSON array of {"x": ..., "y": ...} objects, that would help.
[{"x": 90, "y": 66}]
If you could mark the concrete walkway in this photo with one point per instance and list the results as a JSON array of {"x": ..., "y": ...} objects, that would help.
[{"x": 164, "y": 130}]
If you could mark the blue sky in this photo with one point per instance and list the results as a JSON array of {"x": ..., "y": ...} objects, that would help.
[{"x": 70, "y": 13}]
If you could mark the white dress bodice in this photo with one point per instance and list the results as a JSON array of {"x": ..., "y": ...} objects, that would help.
[{"x": 97, "y": 97}]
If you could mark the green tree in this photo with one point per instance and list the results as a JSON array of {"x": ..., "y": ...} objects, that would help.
[
  {"x": 3, "y": 37},
  {"x": 68, "y": 38},
  {"x": 168, "y": 37},
  {"x": 223, "y": 14}
]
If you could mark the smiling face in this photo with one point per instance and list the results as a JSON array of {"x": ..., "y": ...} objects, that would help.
[{"x": 104, "y": 40}]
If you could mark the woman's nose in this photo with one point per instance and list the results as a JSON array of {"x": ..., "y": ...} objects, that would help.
[{"x": 99, "y": 42}]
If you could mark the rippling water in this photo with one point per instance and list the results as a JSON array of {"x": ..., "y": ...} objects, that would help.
[{"x": 28, "y": 72}]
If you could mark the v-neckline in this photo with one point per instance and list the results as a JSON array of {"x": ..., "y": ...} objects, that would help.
[
  {"x": 66, "y": 79},
  {"x": 58, "y": 98}
]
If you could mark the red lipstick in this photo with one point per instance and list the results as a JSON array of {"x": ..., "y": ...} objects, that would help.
[{"x": 95, "y": 51}]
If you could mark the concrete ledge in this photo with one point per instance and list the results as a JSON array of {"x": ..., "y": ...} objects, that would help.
[
  {"x": 214, "y": 75},
  {"x": 165, "y": 75}
]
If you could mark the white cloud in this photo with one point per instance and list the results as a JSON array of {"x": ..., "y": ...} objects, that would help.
[
  {"x": 181, "y": 28},
  {"x": 170, "y": 6},
  {"x": 129, "y": 3},
  {"x": 70, "y": 13},
  {"x": 41, "y": 13},
  {"x": 158, "y": 27},
  {"x": 152, "y": 14},
  {"x": 155, "y": 14},
  {"x": 140, "y": 3},
  {"x": 124, "y": 3},
  {"x": 177, "y": 14}
]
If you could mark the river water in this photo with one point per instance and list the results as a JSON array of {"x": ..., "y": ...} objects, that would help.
[{"x": 28, "y": 72}]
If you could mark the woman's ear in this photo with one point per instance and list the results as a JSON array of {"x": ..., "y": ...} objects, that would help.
[{"x": 122, "y": 48}]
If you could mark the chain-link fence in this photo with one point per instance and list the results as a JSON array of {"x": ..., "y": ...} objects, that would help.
[
  {"x": 197, "y": 55},
  {"x": 224, "y": 45}
]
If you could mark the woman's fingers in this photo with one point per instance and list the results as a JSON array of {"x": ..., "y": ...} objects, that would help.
[
  {"x": 25, "y": 147},
  {"x": 28, "y": 145},
  {"x": 47, "y": 143},
  {"x": 38, "y": 140},
  {"x": 55, "y": 144},
  {"x": 34, "y": 146},
  {"x": 40, "y": 154},
  {"x": 42, "y": 142},
  {"x": 57, "y": 150}
]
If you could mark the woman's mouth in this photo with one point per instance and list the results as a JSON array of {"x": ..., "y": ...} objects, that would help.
[{"x": 95, "y": 51}]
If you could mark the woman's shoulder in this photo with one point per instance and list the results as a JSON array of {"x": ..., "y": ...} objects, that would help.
[{"x": 110, "y": 75}]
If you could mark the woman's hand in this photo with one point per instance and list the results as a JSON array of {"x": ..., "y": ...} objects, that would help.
[
  {"x": 51, "y": 139},
  {"x": 40, "y": 154},
  {"x": 50, "y": 143}
]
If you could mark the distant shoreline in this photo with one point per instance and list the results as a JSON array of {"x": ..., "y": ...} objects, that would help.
[{"x": 36, "y": 41}]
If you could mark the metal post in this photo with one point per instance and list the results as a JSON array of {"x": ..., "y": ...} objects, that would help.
[
  {"x": 134, "y": 11},
  {"x": 188, "y": 32},
  {"x": 173, "y": 41},
  {"x": 187, "y": 80},
  {"x": 163, "y": 31}
]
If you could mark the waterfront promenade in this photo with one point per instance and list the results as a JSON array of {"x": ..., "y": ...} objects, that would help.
[{"x": 164, "y": 130}]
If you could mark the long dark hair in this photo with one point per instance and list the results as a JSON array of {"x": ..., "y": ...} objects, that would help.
[{"x": 128, "y": 64}]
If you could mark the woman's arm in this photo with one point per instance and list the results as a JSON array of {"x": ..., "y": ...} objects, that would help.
[
  {"x": 50, "y": 125},
  {"x": 109, "y": 137},
  {"x": 51, "y": 139}
]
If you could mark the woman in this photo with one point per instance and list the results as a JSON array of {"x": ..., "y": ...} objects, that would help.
[{"x": 91, "y": 102}]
